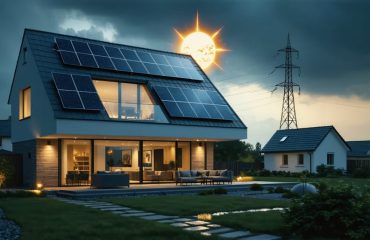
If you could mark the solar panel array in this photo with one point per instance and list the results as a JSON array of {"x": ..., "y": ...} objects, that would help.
[
  {"x": 194, "y": 103},
  {"x": 77, "y": 92},
  {"x": 99, "y": 56}
]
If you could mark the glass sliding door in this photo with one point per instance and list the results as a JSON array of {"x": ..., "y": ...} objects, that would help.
[{"x": 76, "y": 162}]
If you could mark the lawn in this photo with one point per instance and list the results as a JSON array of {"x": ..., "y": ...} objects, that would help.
[
  {"x": 264, "y": 222},
  {"x": 189, "y": 205},
  {"x": 331, "y": 181},
  {"x": 43, "y": 218}
]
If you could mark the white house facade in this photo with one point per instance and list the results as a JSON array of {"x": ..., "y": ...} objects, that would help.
[{"x": 297, "y": 150}]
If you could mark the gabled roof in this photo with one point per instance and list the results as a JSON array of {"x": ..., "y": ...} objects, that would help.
[
  {"x": 359, "y": 148},
  {"x": 5, "y": 130},
  {"x": 297, "y": 140},
  {"x": 43, "y": 49}
]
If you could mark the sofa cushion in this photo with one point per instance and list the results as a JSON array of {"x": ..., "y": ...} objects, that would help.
[
  {"x": 223, "y": 173},
  {"x": 212, "y": 172},
  {"x": 194, "y": 173},
  {"x": 185, "y": 173}
]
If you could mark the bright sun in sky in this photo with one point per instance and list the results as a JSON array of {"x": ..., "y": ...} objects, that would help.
[{"x": 201, "y": 46}]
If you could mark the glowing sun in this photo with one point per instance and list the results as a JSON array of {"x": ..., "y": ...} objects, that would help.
[{"x": 201, "y": 46}]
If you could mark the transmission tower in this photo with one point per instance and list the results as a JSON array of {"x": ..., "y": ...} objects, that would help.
[{"x": 288, "y": 118}]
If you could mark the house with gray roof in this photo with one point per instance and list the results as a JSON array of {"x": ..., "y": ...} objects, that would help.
[
  {"x": 359, "y": 155},
  {"x": 303, "y": 149},
  {"x": 5, "y": 135},
  {"x": 81, "y": 106}
]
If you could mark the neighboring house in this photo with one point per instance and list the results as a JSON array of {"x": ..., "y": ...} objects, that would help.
[
  {"x": 81, "y": 105},
  {"x": 359, "y": 155},
  {"x": 5, "y": 135},
  {"x": 296, "y": 150}
]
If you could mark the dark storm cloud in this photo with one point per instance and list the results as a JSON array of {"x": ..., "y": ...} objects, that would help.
[{"x": 333, "y": 36}]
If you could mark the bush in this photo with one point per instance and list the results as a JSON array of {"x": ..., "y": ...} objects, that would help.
[
  {"x": 256, "y": 187},
  {"x": 280, "y": 190},
  {"x": 328, "y": 171},
  {"x": 337, "y": 212},
  {"x": 290, "y": 194},
  {"x": 216, "y": 191},
  {"x": 7, "y": 171},
  {"x": 361, "y": 173},
  {"x": 21, "y": 194}
]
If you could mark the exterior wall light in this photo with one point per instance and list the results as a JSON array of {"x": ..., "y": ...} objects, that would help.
[{"x": 39, "y": 186}]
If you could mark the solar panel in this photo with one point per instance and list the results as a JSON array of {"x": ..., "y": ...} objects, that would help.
[
  {"x": 194, "y": 103},
  {"x": 101, "y": 56},
  {"x": 77, "y": 92}
]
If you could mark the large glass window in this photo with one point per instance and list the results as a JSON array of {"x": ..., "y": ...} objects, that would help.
[
  {"x": 76, "y": 159},
  {"x": 25, "y": 103},
  {"x": 128, "y": 101}
]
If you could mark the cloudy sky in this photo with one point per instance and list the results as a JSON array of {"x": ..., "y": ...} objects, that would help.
[{"x": 333, "y": 38}]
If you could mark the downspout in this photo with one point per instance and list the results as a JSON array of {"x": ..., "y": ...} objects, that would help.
[{"x": 310, "y": 162}]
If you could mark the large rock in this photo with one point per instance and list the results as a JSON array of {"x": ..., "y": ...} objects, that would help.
[{"x": 303, "y": 188}]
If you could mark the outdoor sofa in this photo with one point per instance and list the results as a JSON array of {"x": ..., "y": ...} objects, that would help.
[
  {"x": 110, "y": 180},
  {"x": 204, "y": 176}
]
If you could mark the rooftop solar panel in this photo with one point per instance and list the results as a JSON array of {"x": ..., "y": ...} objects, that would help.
[
  {"x": 101, "y": 56},
  {"x": 194, "y": 103},
  {"x": 77, "y": 92}
]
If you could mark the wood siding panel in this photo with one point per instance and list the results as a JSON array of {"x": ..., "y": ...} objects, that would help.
[
  {"x": 197, "y": 156},
  {"x": 210, "y": 156}
]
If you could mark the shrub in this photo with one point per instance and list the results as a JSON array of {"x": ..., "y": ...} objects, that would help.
[
  {"x": 280, "y": 189},
  {"x": 216, "y": 191},
  {"x": 21, "y": 194},
  {"x": 361, "y": 173},
  {"x": 328, "y": 171},
  {"x": 7, "y": 171},
  {"x": 290, "y": 194},
  {"x": 256, "y": 187},
  {"x": 337, "y": 212},
  {"x": 264, "y": 173}
]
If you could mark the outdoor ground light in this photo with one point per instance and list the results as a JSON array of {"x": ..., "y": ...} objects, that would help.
[{"x": 39, "y": 186}]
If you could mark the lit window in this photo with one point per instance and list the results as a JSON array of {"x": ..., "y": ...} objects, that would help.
[
  {"x": 25, "y": 103},
  {"x": 285, "y": 159},
  {"x": 300, "y": 159},
  {"x": 330, "y": 159}
]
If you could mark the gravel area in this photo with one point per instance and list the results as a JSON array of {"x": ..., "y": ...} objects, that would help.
[{"x": 8, "y": 229}]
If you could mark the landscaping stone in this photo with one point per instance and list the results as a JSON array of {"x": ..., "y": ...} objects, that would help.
[
  {"x": 134, "y": 211},
  {"x": 142, "y": 214},
  {"x": 157, "y": 217},
  {"x": 235, "y": 234},
  {"x": 262, "y": 237},
  {"x": 196, "y": 228},
  {"x": 179, "y": 224},
  {"x": 197, "y": 223},
  {"x": 214, "y": 225},
  {"x": 8, "y": 229},
  {"x": 220, "y": 230},
  {"x": 115, "y": 209}
]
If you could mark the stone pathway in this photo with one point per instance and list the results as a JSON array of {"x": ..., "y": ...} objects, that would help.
[
  {"x": 8, "y": 229},
  {"x": 188, "y": 224}
]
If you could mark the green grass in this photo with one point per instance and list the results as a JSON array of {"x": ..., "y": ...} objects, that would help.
[
  {"x": 42, "y": 218},
  {"x": 264, "y": 222},
  {"x": 359, "y": 182},
  {"x": 189, "y": 205}
]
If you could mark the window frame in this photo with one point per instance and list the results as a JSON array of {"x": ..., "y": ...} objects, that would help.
[
  {"x": 331, "y": 160},
  {"x": 22, "y": 105},
  {"x": 300, "y": 157},
  {"x": 285, "y": 158}
]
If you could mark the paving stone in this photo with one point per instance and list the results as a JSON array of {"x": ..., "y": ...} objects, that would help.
[
  {"x": 166, "y": 221},
  {"x": 141, "y": 214},
  {"x": 196, "y": 228},
  {"x": 134, "y": 211},
  {"x": 235, "y": 234},
  {"x": 115, "y": 209},
  {"x": 197, "y": 223},
  {"x": 157, "y": 217},
  {"x": 179, "y": 224},
  {"x": 213, "y": 225},
  {"x": 181, "y": 219},
  {"x": 262, "y": 237},
  {"x": 118, "y": 212},
  {"x": 219, "y": 230}
]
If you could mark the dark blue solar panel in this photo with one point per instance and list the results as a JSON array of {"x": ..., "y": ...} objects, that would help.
[
  {"x": 87, "y": 60},
  {"x": 160, "y": 59},
  {"x": 63, "y": 81},
  {"x": 114, "y": 52},
  {"x": 200, "y": 110},
  {"x": 181, "y": 72},
  {"x": 190, "y": 95},
  {"x": 129, "y": 55},
  {"x": 104, "y": 62},
  {"x": 69, "y": 58},
  {"x": 153, "y": 69},
  {"x": 216, "y": 98},
  {"x": 174, "y": 61},
  {"x": 203, "y": 96},
  {"x": 212, "y": 111},
  {"x": 145, "y": 57},
  {"x": 81, "y": 47},
  {"x": 70, "y": 99},
  {"x": 186, "y": 63},
  {"x": 225, "y": 112},
  {"x": 194, "y": 74},
  {"x": 64, "y": 44},
  {"x": 137, "y": 67},
  {"x": 98, "y": 49},
  {"x": 173, "y": 109},
  {"x": 177, "y": 94},
  {"x": 91, "y": 101},
  {"x": 83, "y": 83},
  {"x": 186, "y": 109},
  {"x": 121, "y": 65},
  {"x": 163, "y": 93},
  {"x": 167, "y": 71}
]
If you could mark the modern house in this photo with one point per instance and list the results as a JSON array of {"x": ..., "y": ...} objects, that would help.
[
  {"x": 359, "y": 155},
  {"x": 5, "y": 135},
  {"x": 303, "y": 149},
  {"x": 82, "y": 105}
]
